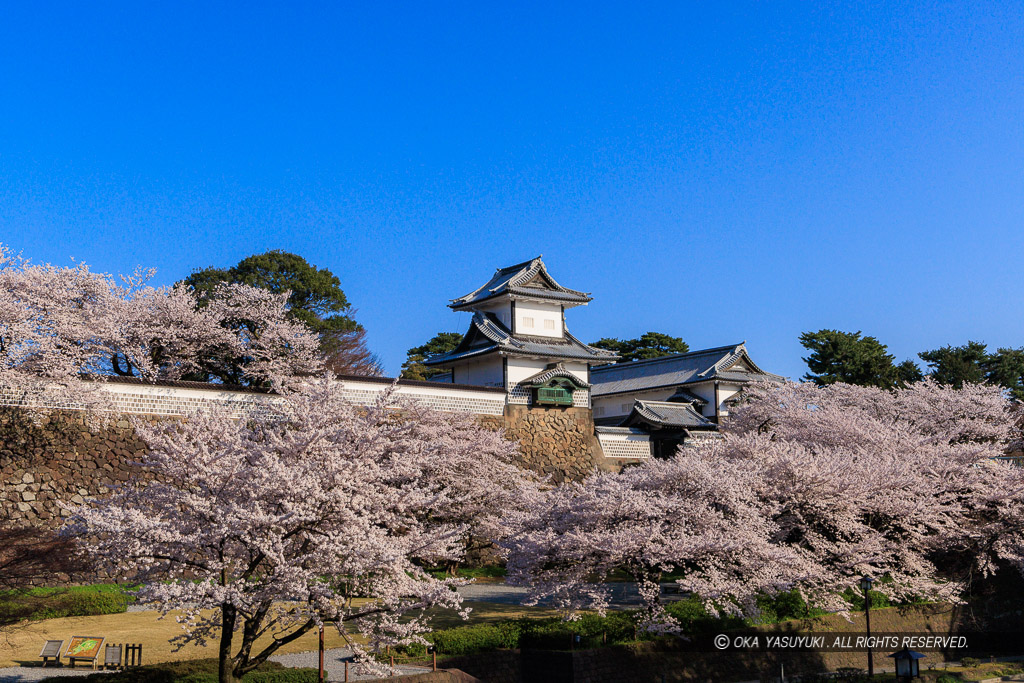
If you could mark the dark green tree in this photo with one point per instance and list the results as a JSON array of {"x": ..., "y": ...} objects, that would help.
[
  {"x": 647, "y": 345},
  {"x": 954, "y": 365},
  {"x": 315, "y": 298},
  {"x": 848, "y": 357},
  {"x": 908, "y": 372},
  {"x": 616, "y": 346},
  {"x": 442, "y": 342},
  {"x": 1005, "y": 367}
]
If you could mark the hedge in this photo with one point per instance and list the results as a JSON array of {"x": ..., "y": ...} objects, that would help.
[{"x": 73, "y": 601}]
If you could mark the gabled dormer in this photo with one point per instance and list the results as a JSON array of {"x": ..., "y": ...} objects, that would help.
[{"x": 528, "y": 280}]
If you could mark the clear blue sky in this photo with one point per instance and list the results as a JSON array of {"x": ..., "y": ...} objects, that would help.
[{"x": 717, "y": 174}]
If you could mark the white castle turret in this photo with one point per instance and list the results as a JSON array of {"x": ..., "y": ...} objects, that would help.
[{"x": 518, "y": 339}]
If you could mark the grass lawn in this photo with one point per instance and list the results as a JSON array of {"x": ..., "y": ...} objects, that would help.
[
  {"x": 72, "y": 601},
  {"x": 20, "y": 644}
]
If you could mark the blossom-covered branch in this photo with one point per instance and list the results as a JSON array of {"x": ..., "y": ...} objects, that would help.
[{"x": 311, "y": 510}]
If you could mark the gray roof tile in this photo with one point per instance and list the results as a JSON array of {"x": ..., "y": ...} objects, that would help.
[
  {"x": 486, "y": 335},
  {"x": 554, "y": 370},
  {"x": 527, "y": 279},
  {"x": 665, "y": 415},
  {"x": 678, "y": 369}
]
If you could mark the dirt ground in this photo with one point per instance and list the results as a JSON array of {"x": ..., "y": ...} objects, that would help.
[{"x": 20, "y": 644}]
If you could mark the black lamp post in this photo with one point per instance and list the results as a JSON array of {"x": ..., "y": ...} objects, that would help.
[
  {"x": 865, "y": 585},
  {"x": 320, "y": 675},
  {"x": 907, "y": 666}
]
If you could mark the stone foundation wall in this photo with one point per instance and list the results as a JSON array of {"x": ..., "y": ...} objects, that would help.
[
  {"x": 556, "y": 441},
  {"x": 58, "y": 460}
]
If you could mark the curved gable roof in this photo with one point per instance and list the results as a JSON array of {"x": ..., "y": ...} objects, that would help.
[
  {"x": 526, "y": 279},
  {"x": 487, "y": 334},
  {"x": 552, "y": 371},
  {"x": 665, "y": 415}
]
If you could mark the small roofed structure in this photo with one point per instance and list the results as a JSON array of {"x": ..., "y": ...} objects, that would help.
[
  {"x": 518, "y": 334},
  {"x": 709, "y": 380},
  {"x": 669, "y": 424}
]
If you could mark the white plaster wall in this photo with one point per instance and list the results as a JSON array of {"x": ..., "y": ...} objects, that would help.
[
  {"x": 538, "y": 320},
  {"x": 522, "y": 368},
  {"x": 487, "y": 372},
  {"x": 502, "y": 309},
  {"x": 707, "y": 392},
  {"x": 621, "y": 404},
  {"x": 624, "y": 445},
  {"x": 162, "y": 400},
  {"x": 613, "y": 405}
]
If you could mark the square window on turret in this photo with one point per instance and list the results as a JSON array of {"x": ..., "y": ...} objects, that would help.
[
  {"x": 527, "y": 322},
  {"x": 549, "y": 324}
]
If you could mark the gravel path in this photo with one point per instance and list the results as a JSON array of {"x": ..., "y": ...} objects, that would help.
[
  {"x": 15, "y": 674},
  {"x": 624, "y": 594},
  {"x": 334, "y": 664}
]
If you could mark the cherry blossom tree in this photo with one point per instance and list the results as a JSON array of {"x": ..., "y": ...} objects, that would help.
[
  {"x": 905, "y": 484},
  {"x": 809, "y": 487},
  {"x": 60, "y": 325},
  {"x": 48, "y": 331},
  {"x": 306, "y": 511},
  {"x": 476, "y": 469},
  {"x": 645, "y": 521}
]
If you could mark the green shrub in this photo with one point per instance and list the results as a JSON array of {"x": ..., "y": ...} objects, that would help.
[
  {"x": 73, "y": 601},
  {"x": 694, "y": 618},
  {"x": 970, "y": 662},
  {"x": 948, "y": 678},
  {"x": 781, "y": 606},
  {"x": 856, "y": 599},
  {"x": 466, "y": 640},
  {"x": 283, "y": 676}
]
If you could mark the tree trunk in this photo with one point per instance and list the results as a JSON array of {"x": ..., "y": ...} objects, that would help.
[{"x": 226, "y": 672}]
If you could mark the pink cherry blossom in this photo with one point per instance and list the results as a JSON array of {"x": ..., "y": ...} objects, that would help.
[{"x": 312, "y": 509}]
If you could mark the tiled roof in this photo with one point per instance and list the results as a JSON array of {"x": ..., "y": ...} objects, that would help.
[
  {"x": 486, "y": 334},
  {"x": 665, "y": 415},
  {"x": 609, "y": 429},
  {"x": 441, "y": 377},
  {"x": 416, "y": 383},
  {"x": 684, "y": 396},
  {"x": 180, "y": 384},
  {"x": 678, "y": 369},
  {"x": 527, "y": 279},
  {"x": 211, "y": 386},
  {"x": 554, "y": 370}
]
